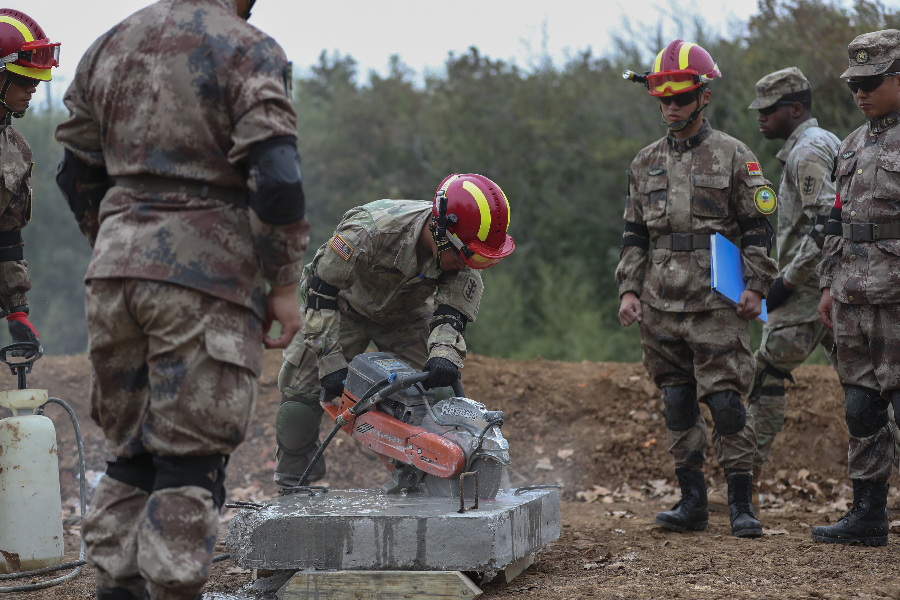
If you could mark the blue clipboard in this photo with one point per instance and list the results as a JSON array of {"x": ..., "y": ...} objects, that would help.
[{"x": 728, "y": 272}]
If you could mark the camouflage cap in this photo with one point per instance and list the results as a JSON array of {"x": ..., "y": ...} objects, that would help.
[
  {"x": 872, "y": 53},
  {"x": 773, "y": 86}
]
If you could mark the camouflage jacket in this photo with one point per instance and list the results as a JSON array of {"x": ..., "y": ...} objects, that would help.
[
  {"x": 868, "y": 183},
  {"x": 385, "y": 275},
  {"x": 805, "y": 193},
  {"x": 15, "y": 212},
  {"x": 182, "y": 89},
  {"x": 702, "y": 185}
]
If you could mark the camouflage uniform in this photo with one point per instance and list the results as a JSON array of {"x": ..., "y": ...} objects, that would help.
[
  {"x": 15, "y": 212},
  {"x": 390, "y": 286},
  {"x": 805, "y": 196},
  {"x": 689, "y": 334},
  {"x": 177, "y": 92},
  {"x": 861, "y": 265}
]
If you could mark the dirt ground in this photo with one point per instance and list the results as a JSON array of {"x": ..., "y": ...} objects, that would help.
[{"x": 596, "y": 430}]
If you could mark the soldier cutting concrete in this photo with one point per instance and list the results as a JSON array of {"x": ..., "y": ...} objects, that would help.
[
  {"x": 694, "y": 182},
  {"x": 860, "y": 280},
  {"x": 182, "y": 170},
  {"x": 26, "y": 57},
  {"x": 402, "y": 274},
  {"x": 805, "y": 196}
]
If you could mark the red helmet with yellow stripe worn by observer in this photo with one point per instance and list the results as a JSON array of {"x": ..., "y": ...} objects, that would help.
[
  {"x": 679, "y": 68},
  {"x": 471, "y": 214},
  {"x": 26, "y": 53}
]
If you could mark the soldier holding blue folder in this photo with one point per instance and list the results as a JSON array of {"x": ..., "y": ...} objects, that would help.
[{"x": 694, "y": 182}]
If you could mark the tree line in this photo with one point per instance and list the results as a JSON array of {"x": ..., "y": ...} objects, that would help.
[{"x": 557, "y": 139}]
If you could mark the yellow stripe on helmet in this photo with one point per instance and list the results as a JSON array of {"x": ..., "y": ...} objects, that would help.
[
  {"x": 485, "y": 227},
  {"x": 508, "y": 209},
  {"x": 657, "y": 64},
  {"x": 683, "y": 52},
  {"x": 39, "y": 74},
  {"x": 26, "y": 33}
]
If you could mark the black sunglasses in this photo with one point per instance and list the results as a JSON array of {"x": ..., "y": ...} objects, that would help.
[
  {"x": 868, "y": 84},
  {"x": 679, "y": 99},
  {"x": 771, "y": 109},
  {"x": 21, "y": 80}
]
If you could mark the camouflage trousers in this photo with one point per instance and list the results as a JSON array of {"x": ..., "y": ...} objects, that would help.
[
  {"x": 867, "y": 338},
  {"x": 298, "y": 379},
  {"x": 173, "y": 374},
  {"x": 709, "y": 350},
  {"x": 783, "y": 348}
]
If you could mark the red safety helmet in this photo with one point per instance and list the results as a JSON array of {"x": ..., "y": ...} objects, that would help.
[
  {"x": 24, "y": 47},
  {"x": 681, "y": 67},
  {"x": 471, "y": 213}
]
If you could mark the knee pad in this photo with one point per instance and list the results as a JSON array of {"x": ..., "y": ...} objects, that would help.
[
  {"x": 728, "y": 413},
  {"x": 866, "y": 411},
  {"x": 207, "y": 472},
  {"x": 136, "y": 471},
  {"x": 297, "y": 425},
  {"x": 681, "y": 409}
]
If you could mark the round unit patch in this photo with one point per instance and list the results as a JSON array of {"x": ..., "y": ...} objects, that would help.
[{"x": 765, "y": 200}]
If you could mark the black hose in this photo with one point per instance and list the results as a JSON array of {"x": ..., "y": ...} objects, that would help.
[{"x": 79, "y": 564}]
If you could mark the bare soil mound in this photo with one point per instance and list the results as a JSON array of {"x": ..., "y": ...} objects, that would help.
[{"x": 596, "y": 430}]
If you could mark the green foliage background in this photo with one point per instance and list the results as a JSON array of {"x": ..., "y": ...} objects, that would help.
[{"x": 557, "y": 139}]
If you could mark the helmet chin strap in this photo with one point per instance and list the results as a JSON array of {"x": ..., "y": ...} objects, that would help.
[
  {"x": 679, "y": 125},
  {"x": 9, "y": 109}
]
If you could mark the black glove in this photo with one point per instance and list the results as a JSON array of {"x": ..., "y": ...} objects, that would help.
[
  {"x": 778, "y": 294},
  {"x": 21, "y": 330},
  {"x": 441, "y": 373},
  {"x": 334, "y": 383}
]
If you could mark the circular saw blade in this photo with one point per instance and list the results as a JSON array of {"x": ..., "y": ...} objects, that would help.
[{"x": 490, "y": 477}]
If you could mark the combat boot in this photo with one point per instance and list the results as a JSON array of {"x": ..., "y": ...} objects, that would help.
[
  {"x": 743, "y": 521},
  {"x": 867, "y": 521},
  {"x": 692, "y": 511},
  {"x": 718, "y": 498}
]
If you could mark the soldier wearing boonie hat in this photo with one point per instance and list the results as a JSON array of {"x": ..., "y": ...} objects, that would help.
[
  {"x": 859, "y": 277},
  {"x": 806, "y": 194}
]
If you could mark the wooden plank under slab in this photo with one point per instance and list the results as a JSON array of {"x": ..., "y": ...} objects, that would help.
[{"x": 378, "y": 585}]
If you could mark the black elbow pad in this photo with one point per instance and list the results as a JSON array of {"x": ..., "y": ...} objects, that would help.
[
  {"x": 82, "y": 186},
  {"x": 274, "y": 167}
]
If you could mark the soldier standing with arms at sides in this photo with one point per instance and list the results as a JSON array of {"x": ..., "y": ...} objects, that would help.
[
  {"x": 404, "y": 274},
  {"x": 805, "y": 197},
  {"x": 182, "y": 170},
  {"x": 860, "y": 280},
  {"x": 27, "y": 57},
  {"x": 694, "y": 182}
]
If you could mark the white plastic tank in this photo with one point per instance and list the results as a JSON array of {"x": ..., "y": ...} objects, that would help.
[{"x": 31, "y": 531}]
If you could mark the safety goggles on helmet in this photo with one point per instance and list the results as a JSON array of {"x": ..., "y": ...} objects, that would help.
[
  {"x": 39, "y": 54},
  {"x": 475, "y": 254},
  {"x": 667, "y": 83},
  {"x": 868, "y": 84}
]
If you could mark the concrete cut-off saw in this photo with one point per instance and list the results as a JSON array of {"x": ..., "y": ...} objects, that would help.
[{"x": 431, "y": 446}]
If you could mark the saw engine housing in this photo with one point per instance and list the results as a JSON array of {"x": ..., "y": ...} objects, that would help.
[{"x": 426, "y": 443}]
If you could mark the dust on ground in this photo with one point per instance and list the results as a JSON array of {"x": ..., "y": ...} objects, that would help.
[{"x": 596, "y": 430}]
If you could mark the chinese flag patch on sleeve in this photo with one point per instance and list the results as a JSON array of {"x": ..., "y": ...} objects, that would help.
[
  {"x": 341, "y": 247},
  {"x": 753, "y": 169}
]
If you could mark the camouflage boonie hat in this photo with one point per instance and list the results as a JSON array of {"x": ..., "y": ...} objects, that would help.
[
  {"x": 773, "y": 86},
  {"x": 872, "y": 53}
]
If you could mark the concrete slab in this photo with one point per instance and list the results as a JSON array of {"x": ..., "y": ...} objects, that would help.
[
  {"x": 366, "y": 529},
  {"x": 379, "y": 585}
]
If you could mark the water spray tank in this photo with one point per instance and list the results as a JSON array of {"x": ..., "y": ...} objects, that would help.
[{"x": 31, "y": 531}]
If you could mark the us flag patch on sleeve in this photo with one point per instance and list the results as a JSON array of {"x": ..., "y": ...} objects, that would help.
[
  {"x": 753, "y": 169},
  {"x": 341, "y": 247}
]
